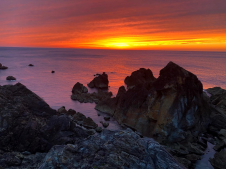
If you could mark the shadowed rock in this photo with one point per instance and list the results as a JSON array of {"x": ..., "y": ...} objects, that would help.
[
  {"x": 79, "y": 88},
  {"x": 27, "y": 123},
  {"x": 100, "y": 81},
  {"x": 219, "y": 161},
  {"x": 3, "y": 67},
  {"x": 171, "y": 109},
  {"x": 120, "y": 149},
  {"x": 142, "y": 76},
  {"x": 10, "y": 78}
]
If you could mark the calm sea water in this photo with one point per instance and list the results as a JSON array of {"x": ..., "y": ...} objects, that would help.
[{"x": 79, "y": 65}]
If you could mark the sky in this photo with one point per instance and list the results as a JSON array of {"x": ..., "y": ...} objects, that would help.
[{"x": 114, "y": 24}]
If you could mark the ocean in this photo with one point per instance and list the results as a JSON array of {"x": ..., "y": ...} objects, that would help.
[{"x": 80, "y": 65}]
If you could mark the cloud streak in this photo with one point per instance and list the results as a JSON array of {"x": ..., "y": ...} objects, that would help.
[{"x": 90, "y": 24}]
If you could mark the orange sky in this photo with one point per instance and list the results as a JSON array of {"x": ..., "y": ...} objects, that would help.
[{"x": 114, "y": 24}]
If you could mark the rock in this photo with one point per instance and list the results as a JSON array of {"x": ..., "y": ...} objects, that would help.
[
  {"x": 3, "y": 67},
  {"x": 219, "y": 161},
  {"x": 62, "y": 110},
  {"x": 98, "y": 129},
  {"x": 222, "y": 134},
  {"x": 100, "y": 81},
  {"x": 107, "y": 118},
  {"x": 170, "y": 109},
  {"x": 193, "y": 157},
  {"x": 91, "y": 97},
  {"x": 27, "y": 123},
  {"x": 79, "y": 88},
  {"x": 89, "y": 123},
  {"x": 219, "y": 146},
  {"x": 10, "y": 78},
  {"x": 105, "y": 124},
  {"x": 52, "y": 71},
  {"x": 30, "y": 65},
  {"x": 185, "y": 162},
  {"x": 16, "y": 160},
  {"x": 141, "y": 76},
  {"x": 113, "y": 149}
]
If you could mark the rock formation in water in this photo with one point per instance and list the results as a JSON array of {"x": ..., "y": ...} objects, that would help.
[
  {"x": 10, "y": 78},
  {"x": 29, "y": 128},
  {"x": 170, "y": 108},
  {"x": 99, "y": 82},
  {"x": 3, "y": 67},
  {"x": 80, "y": 93}
]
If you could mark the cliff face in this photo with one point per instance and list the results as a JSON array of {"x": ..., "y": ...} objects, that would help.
[{"x": 170, "y": 108}]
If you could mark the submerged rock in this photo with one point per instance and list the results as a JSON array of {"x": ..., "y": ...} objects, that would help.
[
  {"x": 120, "y": 149},
  {"x": 100, "y": 81},
  {"x": 10, "y": 78}
]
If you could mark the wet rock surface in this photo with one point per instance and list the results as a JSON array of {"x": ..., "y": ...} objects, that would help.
[
  {"x": 79, "y": 88},
  {"x": 118, "y": 149},
  {"x": 100, "y": 81}
]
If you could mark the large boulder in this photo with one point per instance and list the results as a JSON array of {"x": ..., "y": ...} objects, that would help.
[
  {"x": 79, "y": 88},
  {"x": 113, "y": 149},
  {"x": 27, "y": 123},
  {"x": 172, "y": 108},
  {"x": 100, "y": 81},
  {"x": 219, "y": 161},
  {"x": 141, "y": 76}
]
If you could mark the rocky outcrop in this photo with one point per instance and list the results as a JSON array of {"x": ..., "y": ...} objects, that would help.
[
  {"x": 99, "y": 82},
  {"x": 219, "y": 162},
  {"x": 142, "y": 76},
  {"x": 79, "y": 93},
  {"x": 27, "y": 123},
  {"x": 79, "y": 88},
  {"x": 120, "y": 149},
  {"x": 10, "y": 78},
  {"x": 171, "y": 109},
  {"x": 3, "y": 67}
]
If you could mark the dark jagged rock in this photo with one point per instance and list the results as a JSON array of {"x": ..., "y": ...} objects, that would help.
[
  {"x": 79, "y": 88},
  {"x": 173, "y": 109},
  {"x": 142, "y": 76},
  {"x": 27, "y": 123},
  {"x": 91, "y": 97},
  {"x": 120, "y": 149},
  {"x": 100, "y": 81},
  {"x": 10, "y": 78},
  {"x": 3, "y": 67},
  {"x": 219, "y": 162}
]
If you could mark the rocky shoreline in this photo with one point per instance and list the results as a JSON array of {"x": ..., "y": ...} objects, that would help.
[{"x": 172, "y": 109}]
